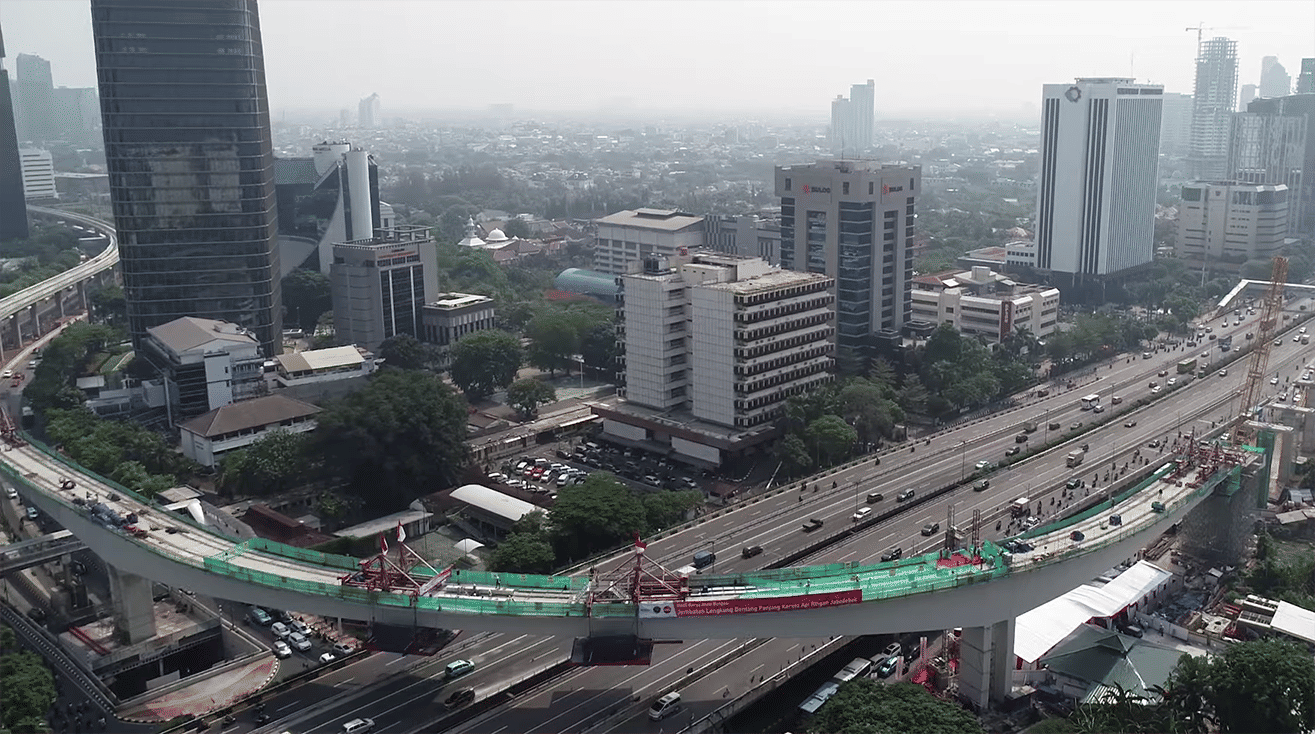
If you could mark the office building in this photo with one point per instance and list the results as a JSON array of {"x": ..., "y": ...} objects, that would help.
[
  {"x": 205, "y": 364},
  {"x": 1230, "y": 222},
  {"x": 852, "y": 120},
  {"x": 853, "y": 221},
  {"x": 1300, "y": 107},
  {"x": 1214, "y": 101},
  {"x": 713, "y": 346},
  {"x": 1249, "y": 92},
  {"x": 1306, "y": 79},
  {"x": 629, "y": 236},
  {"x": 1274, "y": 79},
  {"x": 13, "y": 207},
  {"x": 747, "y": 235},
  {"x": 38, "y": 174},
  {"x": 192, "y": 185},
  {"x": 381, "y": 285},
  {"x": 451, "y": 316},
  {"x": 1176, "y": 124},
  {"x": 77, "y": 115},
  {"x": 368, "y": 112},
  {"x": 207, "y": 439},
  {"x": 1269, "y": 149},
  {"x": 35, "y": 100},
  {"x": 982, "y": 302},
  {"x": 1096, "y": 198},
  {"x": 330, "y": 197}
]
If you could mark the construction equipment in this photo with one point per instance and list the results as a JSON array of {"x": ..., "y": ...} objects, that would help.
[
  {"x": 1270, "y": 307},
  {"x": 1201, "y": 27}
]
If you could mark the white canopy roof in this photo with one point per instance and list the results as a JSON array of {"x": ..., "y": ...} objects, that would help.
[
  {"x": 468, "y": 545},
  {"x": 1040, "y": 629}
]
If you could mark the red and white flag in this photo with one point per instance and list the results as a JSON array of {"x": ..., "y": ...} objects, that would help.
[
  {"x": 383, "y": 544},
  {"x": 401, "y": 533},
  {"x": 639, "y": 543}
]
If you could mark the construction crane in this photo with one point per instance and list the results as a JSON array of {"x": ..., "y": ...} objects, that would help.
[
  {"x": 1201, "y": 27},
  {"x": 1270, "y": 308}
]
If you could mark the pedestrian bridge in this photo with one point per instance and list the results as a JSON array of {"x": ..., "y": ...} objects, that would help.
[{"x": 949, "y": 588}]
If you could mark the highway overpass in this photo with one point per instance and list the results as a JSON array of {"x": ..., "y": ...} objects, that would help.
[{"x": 33, "y": 311}]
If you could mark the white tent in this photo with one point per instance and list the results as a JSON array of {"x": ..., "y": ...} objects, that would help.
[
  {"x": 1040, "y": 629},
  {"x": 468, "y": 546}
]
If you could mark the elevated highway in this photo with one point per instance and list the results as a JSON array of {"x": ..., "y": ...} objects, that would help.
[
  {"x": 35, "y": 551},
  {"x": 28, "y": 313}
]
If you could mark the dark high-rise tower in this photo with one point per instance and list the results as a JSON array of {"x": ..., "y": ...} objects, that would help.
[
  {"x": 13, "y": 208},
  {"x": 187, "y": 143},
  {"x": 36, "y": 99}
]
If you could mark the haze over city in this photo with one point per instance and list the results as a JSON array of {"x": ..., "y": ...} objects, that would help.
[{"x": 959, "y": 59}]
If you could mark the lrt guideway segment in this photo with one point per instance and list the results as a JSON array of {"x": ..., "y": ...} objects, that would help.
[{"x": 1046, "y": 475}]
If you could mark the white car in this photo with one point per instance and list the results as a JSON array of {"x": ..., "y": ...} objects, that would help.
[
  {"x": 280, "y": 630},
  {"x": 1155, "y": 390},
  {"x": 862, "y": 513},
  {"x": 281, "y": 649},
  {"x": 1171, "y": 381},
  {"x": 983, "y": 464},
  {"x": 1273, "y": 380},
  {"x": 327, "y": 657},
  {"x": 299, "y": 627},
  {"x": 7, "y": 374},
  {"x": 299, "y": 641}
]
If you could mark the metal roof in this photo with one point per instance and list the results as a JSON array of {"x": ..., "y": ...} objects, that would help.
[
  {"x": 588, "y": 282},
  {"x": 320, "y": 359},
  {"x": 492, "y": 501}
]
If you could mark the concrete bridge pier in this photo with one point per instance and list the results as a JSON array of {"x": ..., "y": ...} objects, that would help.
[
  {"x": 986, "y": 663},
  {"x": 134, "y": 609}
]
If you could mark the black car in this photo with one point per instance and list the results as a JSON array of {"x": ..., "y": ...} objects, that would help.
[
  {"x": 905, "y": 495},
  {"x": 37, "y": 614},
  {"x": 460, "y": 697},
  {"x": 889, "y": 667},
  {"x": 812, "y": 525},
  {"x": 1074, "y": 483},
  {"x": 893, "y": 554},
  {"x": 930, "y": 528},
  {"x": 1012, "y": 451},
  {"x": 751, "y": 550}
]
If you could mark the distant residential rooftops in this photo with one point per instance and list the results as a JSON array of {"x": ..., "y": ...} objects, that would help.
[{"x": 667, "y": 220}]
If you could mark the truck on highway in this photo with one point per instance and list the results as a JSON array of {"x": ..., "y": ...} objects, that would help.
[
  {"x": 1226, "y": 343},
  {"x": 1305, "y": 338},
  {"x": 1029, "y": 427},
  {"x": 1075, "y": 457},
  {"x": 1186, "y": 366}
]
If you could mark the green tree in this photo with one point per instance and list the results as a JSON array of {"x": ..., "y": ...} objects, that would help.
[
  {"x": 108, "y": 306},
  {"x": 517, "y": 227},
  {"x": 27, "y": 691},
  {"x": 598, "y": 347},
  {"x": 401, "y": 437},
  {"x": 864, "y": 706},
  {"x": 126, "y": 452},
  {"x": 554, "y": 340},
  {"x": 867, "y": 408},
  {"x": 485, "y": 362},
  {"x": 831, "y": 438},
  {"x": 66, "y": 358},
  {"x": 793, "y": 452},
  {"x": 665, "y": 509},
  {"x": 272, "y": 464},
  {"x": 406, "y": 352},
  {"x": 528, "y": 394},
  {"x": 598, "y": 514},
  {"x": 306, "y": 295},
  {"x": 1263, "y": 686},
  {"x": 527, "y": 549}
]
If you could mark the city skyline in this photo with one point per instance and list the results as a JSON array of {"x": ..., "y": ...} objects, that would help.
[{"x": 1011, "y": 51}]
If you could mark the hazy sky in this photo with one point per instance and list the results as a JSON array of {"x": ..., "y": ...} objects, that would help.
[{"x": 973, "y": 57}]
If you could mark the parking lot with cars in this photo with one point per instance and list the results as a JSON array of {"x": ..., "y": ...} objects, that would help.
[{"x": 551, "y": 468}]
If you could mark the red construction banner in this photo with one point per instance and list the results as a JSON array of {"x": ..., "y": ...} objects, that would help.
[{"x": 718, "y": 607}]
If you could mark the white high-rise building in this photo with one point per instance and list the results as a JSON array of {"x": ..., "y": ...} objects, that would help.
[
  {"x": 629, "y": 236},
  {"x": 852, "y": 120},
  {"x": 1215, "y": 99},
  {"x": 1232, "y": 221},
  {"x": 1274, "y": 79},
  {"x": 38, "y": 174},
  {"x": 1096, "y": 199},
  {"x": 714, "y": 344}
]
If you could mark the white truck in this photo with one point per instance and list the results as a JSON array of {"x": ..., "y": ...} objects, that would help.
[{"x": 1075, "y": 457}]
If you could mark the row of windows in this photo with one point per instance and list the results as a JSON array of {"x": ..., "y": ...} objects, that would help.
[
  {"x": 777, "y": 397},
  {"x": 771, "y": 364},
  {"x": 754, "y": 352},
  {"x": 753, "y": 386}
]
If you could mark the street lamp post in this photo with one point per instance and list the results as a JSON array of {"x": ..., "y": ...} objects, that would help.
[{"x": 963, "y": 450}]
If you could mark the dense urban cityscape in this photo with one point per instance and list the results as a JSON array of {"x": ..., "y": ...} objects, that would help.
[{"x": 327, "y": 407}]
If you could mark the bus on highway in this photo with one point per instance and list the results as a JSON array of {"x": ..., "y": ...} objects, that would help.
[
  {"x": 1186, "y": 366},
  {"x": 1091, "y": 401}
]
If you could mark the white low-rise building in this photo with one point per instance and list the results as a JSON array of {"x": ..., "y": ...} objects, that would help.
[
  {"x": 38, "y": 174},
  {"x": 982, "y": 302},
  {"x": 207, "y": 438},
  {"x": 629, "y": 236},
  {"x": 322, "y": 365},
  {"x": 1233, "y": 221}
]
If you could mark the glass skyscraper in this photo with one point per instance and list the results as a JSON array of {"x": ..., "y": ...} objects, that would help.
[{"x": 191, "y": 165}]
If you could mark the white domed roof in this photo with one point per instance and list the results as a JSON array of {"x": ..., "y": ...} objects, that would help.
[{"x": 496, "y": 236}]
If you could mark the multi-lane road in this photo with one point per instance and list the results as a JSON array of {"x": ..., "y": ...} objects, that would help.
[{"x": 615, "y": 698}]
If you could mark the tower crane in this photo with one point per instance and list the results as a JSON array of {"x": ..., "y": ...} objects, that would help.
[
  {"x": 1201, "y": 27},
  {"x": 1273, "y": 303}
]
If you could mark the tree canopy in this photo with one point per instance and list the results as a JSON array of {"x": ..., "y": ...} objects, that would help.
[
  {"x": 27, "y": 689},
  {"x": 864, "y": 706},
  {"x": 485, "y": 362},
  {"x": 66, "y": 358},
  {"x": 126, "y": 452},
  {"x": 274, "y": 463},
  {"x": 306, "y": 295},
  {"x": 528, "y": 394},
  {"x": 406, "y": 352},
  {"x": 558, "y": 333},
  {"x": 399, "y": 438}
]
